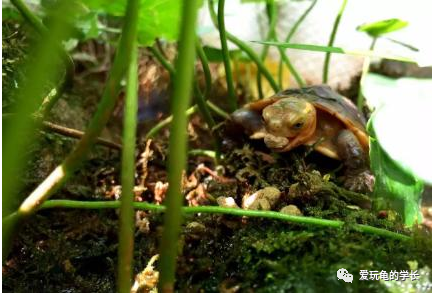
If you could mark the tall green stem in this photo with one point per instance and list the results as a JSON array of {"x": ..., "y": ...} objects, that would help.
[
  {"x": 56, "y": 179},
  {"x": 19, "y": 132},
  {"x": 226, "y": 57},
  {"x": 271, "y": 9},
  {"x": 126, "y": 225},
  {"x": 177, "y": 146},
  {"x": 287, "y": 40},
  {"x": 312, "y": 221},
  {"x": 331, "y": 41},
  {"x": 206, "y": 71},
  {"x": 37, "y": 24},
  {"x": 245, "y": 48},
  {"x": 365, "y": 68},
  {"x": 200, "y": 99},
  {"x": 164, "y": 62}
]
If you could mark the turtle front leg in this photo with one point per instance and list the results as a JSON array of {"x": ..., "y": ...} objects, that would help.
[{"x": 358, "y": 176}]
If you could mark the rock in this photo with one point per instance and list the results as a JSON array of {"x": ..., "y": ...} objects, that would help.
[
  {"x": 291, "y": 210},
  {"x": 228, "y": 202},
  {"x": 264, "y": 199}
]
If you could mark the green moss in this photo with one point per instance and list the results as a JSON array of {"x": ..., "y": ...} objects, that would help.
[{"x": 265, "y": 256}]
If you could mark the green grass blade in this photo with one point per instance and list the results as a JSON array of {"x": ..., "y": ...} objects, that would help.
[{"x": 331, "y": 49}]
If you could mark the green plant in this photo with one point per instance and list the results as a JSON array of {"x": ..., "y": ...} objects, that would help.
[
  {"x": 126, "y": 231},
  {"x": 244, "y": 47},
  {"x": 331, "y": 41},
  {"x": 287, "y": 40},
  {"x": 317, "y": 222},
  {"x": 177, "y": 147},
  {"x": 375, "y": 30},
  {"x": 400, "y": 166},
  {"x": 57, "y": 178},
  {"x": 154, "y": 19}
]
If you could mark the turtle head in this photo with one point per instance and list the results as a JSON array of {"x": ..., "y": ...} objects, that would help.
[{"x": 290, "y": 117}]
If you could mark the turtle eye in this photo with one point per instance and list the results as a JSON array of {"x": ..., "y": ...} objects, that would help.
[{"x": 298, "y": 125}]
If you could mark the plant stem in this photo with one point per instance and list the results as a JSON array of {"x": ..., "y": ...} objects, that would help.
[
  {"x": 68, "y": 132},
  {"x": 331, "y": 41},
  {"x": 365, "y": 69},
  {"x": 206, "y": 71},
  {"x": 199, "y": 152},
  {"x": 164, "y": 62},
  {"x": 56, "y": 179},
  {"x": 126, "y": 222},
  {"x": 233, "y": 104},
  {"x": 32, "y": 19},
  {"x": 164, "y": 123},
  {"x": 217, "y": 110},
  {"x": 299, "y": 21},
  {"x": 177, "y": 146},
  {"x": 244, "y": 47},
  {"x": 287, "y": 40},
  {"x": 37, "y": 24},
  {"x": 19, "y": 132},
  {"x": 313, "y": 221},
  {"x": 291, "y": 68},
  {"x": 271, "y": 8},
  {"x": 201, "y": 103},
  {"x": 200, "y": 100}
]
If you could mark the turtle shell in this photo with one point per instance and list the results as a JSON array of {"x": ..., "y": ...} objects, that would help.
[{"x": 332, "y": 106}]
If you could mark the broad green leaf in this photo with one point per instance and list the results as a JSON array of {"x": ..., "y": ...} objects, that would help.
[
  {"x": 394, "y": 187},
  {"x": 403, "y": 120},
  {"x": 10, "y": 13},
  {"x": 88, "y": 26},
  {"x": 157, "y": 19},
  {"x": 321, "y": 48},
  {"x": 401, "y": 141},
  {"x": 382, "y": 27}
]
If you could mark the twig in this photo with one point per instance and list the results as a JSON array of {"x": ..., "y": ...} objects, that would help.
[
  {"x": 212, "y": 173},
  {"x": 74, "y": 133},
  {"x": 70, "y": 132}
]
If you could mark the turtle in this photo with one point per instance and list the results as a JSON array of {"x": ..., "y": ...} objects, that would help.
[{"x": 315, "y": 116}]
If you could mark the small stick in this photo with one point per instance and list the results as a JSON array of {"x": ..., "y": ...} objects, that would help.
[{"x": 74, "y": 133}]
